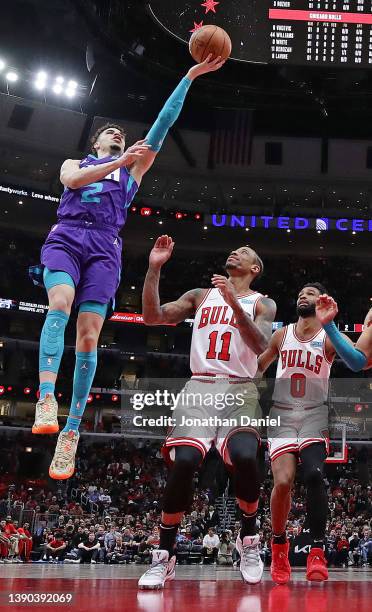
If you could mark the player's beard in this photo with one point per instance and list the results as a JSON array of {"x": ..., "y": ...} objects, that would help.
[{"x": 306, "y": 311}]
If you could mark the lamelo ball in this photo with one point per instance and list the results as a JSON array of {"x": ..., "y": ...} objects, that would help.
[{"x": 210, "y": 39}]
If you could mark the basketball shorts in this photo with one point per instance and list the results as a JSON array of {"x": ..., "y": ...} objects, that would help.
[
  {"x": 296, "y": 429},
  {"x": 90, "y": 255},
  {"x": 210, "y": 412}
]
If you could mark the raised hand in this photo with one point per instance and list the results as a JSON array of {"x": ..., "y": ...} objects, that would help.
[
  {"x": 209, "y": 65},
  {"x": 226, "y": 288},
  {"x": 161, "y": 251},
  {"x": 133, "y": 153},
  {"x": 326, "y": 309}
]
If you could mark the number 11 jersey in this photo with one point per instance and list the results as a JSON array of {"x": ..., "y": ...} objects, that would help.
[{"x": 217, "y": 348}]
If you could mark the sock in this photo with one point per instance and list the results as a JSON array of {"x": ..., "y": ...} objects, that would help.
[
  {"x": 85, "y": 369},
  {"x": 248, "y": 525},
  {"x": 280, "y": 539},
  {"x": 46, "y": 387},
  {"x": 317, "y": 544},
  {"x": 52, "y": 341},
  {"x": 168, "y": 538}
]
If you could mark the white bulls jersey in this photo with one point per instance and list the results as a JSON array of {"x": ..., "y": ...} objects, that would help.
[
  {"x": 303, "y": 370},
  {"x": 217, "y": 346}
]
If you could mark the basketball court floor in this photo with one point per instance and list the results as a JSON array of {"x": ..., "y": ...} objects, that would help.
[{"x": 196, "y": 588}]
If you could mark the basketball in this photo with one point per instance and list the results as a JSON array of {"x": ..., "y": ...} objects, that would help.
[{"x": 210, "y": 39}]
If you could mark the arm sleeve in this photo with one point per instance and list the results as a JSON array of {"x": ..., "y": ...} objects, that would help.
[
  {"x": 351, "y": 356},
  {"x": 168, "y": 115}
]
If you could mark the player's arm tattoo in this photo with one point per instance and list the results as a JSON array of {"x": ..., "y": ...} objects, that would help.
[
  {"x": 256, "y": 334},
  {"x": 174, "y": 312}
]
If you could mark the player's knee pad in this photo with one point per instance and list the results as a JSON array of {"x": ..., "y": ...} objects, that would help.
[
  {"x": 95, "y": 307},
  {"x": 243, "y": 447},
  {"x": 178, "y": 490},
  {"x": 52, "y": 341}
]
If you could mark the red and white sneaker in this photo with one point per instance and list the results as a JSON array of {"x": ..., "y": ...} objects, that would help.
[
  {"x": 316, "y": 569},
  {"x": 161, "y": 570},
  {"x": 280, "y": 568}
]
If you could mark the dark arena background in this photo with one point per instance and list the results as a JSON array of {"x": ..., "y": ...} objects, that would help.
[{"x": 272, "y": 151}]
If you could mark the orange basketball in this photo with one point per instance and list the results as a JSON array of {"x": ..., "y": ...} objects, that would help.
[{"x": 210, "y": 39}]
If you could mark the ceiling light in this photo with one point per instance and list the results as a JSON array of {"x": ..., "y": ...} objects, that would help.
[
  {"x": 11, "y": 76},
  {"x": 60, "y": 80},
  {"x": 70, "y": 93},
  {"x": 57, "y": 89},
  {"x": 2, "y": 64},
  {"x": 72, "y": 85}
]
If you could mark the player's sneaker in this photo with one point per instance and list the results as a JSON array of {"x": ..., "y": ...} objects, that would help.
[
  {"x": 46, "y": 421},
  {"x": 280, "y": 567},
  {"x": 63, "y": 463},
  {"x": 316, "y": 565},
  {"x": 161, "y": 570},
  {"x": 251, "y": 565}
]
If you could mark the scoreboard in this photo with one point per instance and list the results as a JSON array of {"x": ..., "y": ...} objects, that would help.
[
  {"x": 322, "y": 32},
  {"x": 296, "y": 32}
]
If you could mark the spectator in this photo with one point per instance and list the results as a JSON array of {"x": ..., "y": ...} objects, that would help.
[
  {"x": 365, "y": 546},
  {"x": 211, "y": 543},
  {"x": 55, "y": 549},
  {"x": 89, "y": 549},
  {"x": 225, "y": 550}
]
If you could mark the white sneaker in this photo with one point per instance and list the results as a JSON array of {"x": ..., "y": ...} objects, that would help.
[
  {"x": 46, "y": 413},
  {"x": 161, "y": 570},
  {"x": 93, "y": 561},
  {"x": 251, "y": 565}
]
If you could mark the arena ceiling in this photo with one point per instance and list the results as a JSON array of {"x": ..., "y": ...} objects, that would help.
[{"x": 133, "y": 60}]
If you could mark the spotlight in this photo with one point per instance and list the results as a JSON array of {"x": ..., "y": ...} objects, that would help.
[
  {"x": 2, "y": 64},
  {"x": 70, "y": 93},
  {"x": 60, "y": 80},
  {"x": 11, "y": 76},
  {"x": 57, "y": 88},
  {"x": 98, "y": 396},
  {"x": 114, "y": 398},
  {"x": 132, "y": 357},
  {"x": 90, "y": 398},
  {"x": 178, "y": 215},
  {"x": 2, "y": 390},
  {"x": 28, "y": 449},
  {"x": 197, "y": 216},
  {"x": 27, "y": 390},
  {"x": 10, "y": 388},
  {"x": 40, "y": 85},
  {"x": 41, "y": 75},
  {"x": 72, "y": 85}
]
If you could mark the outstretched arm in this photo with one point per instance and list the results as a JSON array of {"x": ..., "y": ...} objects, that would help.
[
  {"x": 173, "y": 312},
  {"x": 169, "y": 115},
  {"x": 353, "y": 357},
  {"x": 271, "y": 353},
  {"x": 256, "y": 334}
]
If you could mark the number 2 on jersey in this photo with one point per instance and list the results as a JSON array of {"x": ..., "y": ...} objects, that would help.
[
  {"x": 87, "y": 197},
  {"x": 224, "y": 354}
]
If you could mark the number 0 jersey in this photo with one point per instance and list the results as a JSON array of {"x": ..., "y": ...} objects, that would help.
[
  {"x": 302, "y": 375},
  {"x": 104, "y": 202},
  {"x": 217, "y": 347}
]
